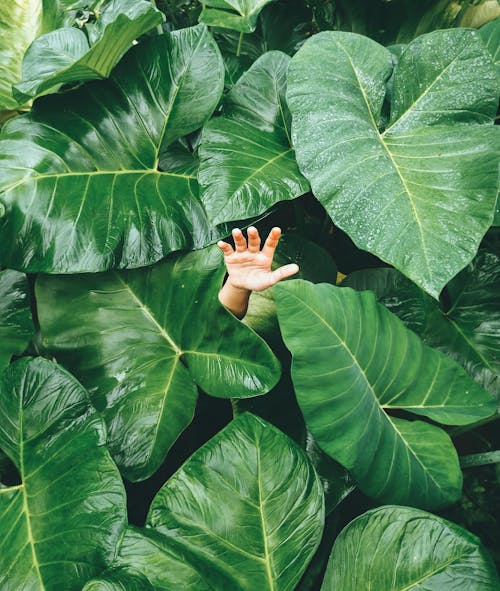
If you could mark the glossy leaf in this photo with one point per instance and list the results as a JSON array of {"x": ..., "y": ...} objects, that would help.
[
  {"x": 240, "y": 15},
  {"x": 242, "y": 519},
  {"x": 79, "y": 179},
  {"x": 20, "y": 22},
  {"x": 403, "y": 549},
  {"x": 468, "y": 330},
  {"x": 354, "y": 363},
  {"x": 421, "y": 193},
  {"x": 159, "y": 558},
  {"x": 16, "y": 326},
  {"x": 119, "y": 580},
  {"x": 140, "y": 341},
  {"x": 71, "y": 54},
  {"x": 247, "y": 160},
  {"x": 60, "y": 526}
]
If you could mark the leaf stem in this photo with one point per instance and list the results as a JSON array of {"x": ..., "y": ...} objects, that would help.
[
  {"x": 482, "y": 459},
  {"x": 234, "y": 406},
  {"x": 240, "y": 43}
]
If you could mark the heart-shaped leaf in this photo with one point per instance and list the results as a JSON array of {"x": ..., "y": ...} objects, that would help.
[
  {"x": 247, "y": 160},
  {"x": 140, "y": 341},
  {"x": 79, "y": 175},
  {"x": 71, "y": 54},
  {"x": 353, "y": 362},
  {"x": 468, "y": 329},
  {"x": 16, "y": 326},
  {"x": 421, "y": 193},
  {"x": 240, "y": 15},
  {"x": 272, "y": 516},
  {"x": 61, "y": 524},
  {"x": 403, "y": 549}
]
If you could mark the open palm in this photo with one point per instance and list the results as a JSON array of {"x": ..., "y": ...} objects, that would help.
[{"x": 248, "y": 267}]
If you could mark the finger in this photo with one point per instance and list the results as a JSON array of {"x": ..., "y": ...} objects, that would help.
[
  {"x": 271, "y": 242},
  {"x": 283, "y": 272},
  {"x": 239, "y": 240},
  {"x": 253, "y": 239},
  {"x": 226, "y": 248}
]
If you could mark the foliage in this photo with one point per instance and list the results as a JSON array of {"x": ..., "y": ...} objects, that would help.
[{"x": 262, "y": 451}]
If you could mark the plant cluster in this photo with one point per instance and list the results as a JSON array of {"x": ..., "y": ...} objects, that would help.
[{"x": 341, "y": 436}]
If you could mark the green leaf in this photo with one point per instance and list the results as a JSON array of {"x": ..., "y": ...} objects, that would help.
[
  {"x": 490, "y": 34},
  {"x": 399, "y": 549},
  {"x": 421, "y": 194},
  {"x": 240, "y": 517},
  {"x": 20, "y": 22},
  {"x": 61, "y": 525},
  {"x": 154, "y": 555},
  {"x": 70, "y": 54},
  {"x": 79, "y": 178},
  {"x": 247, "y": 162},
  {"x": 142, "y": 340},
  {"x": 119, "y": 580},
  {"x": 354, "y": 363},
  {"x": 468, "y": 330},
  {"x": 16, "y": 326},
  {"x": 240, "y": 15}
]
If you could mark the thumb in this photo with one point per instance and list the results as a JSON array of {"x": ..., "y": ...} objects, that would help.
[{"x": 283, "y": 272}]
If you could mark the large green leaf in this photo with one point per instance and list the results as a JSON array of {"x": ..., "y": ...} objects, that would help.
[
  {"x": 353, "y": 363},
  {"x": 243, "y": 519},
  {"x": 20, "y": 22},
  {"x": 468, "y": 329},
  {"x": 141, "y": 340},
  {"x": 247, "y": 160},
  {"x": 403, "y": 549},
  {"x": 71, "y": 54},
  {"x": 16, "y": 326},
  {"x": 79, "y": 178},
  {"x": 60, "y": 526},
  {"x": 240, "y": 15},
  {"x": 420, "y": 194}
]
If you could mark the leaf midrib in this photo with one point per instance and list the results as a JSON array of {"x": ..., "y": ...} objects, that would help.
[
  {"x": 377, "y": 402},
  {"x": 389, "y": 154}
]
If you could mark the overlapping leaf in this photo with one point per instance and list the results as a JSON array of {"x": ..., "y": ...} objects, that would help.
[
  {"x": 141, "y": 340},
  {"x": 79, "y": 178},
  {"x": 20, "y": 22},
  {"x": 421, "y": 193},
  {"x": 247, "y": 160},
  {"x": 468, "y": 330},
  {"x": 16, "y": 327},
  {"x": 353, "y": 361},
  {"x": 240, "y": 15},
  {"x": 61, "y": 525},
  {"x": 71, "y": 54},
  {"x": 490, "y": 34},
  {"x": 239, "y": 517},
  {"x": 403, "y": 549},
  {"x": 119, "y": 580}
]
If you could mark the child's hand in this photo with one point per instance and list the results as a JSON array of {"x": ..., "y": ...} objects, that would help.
[{"x": 249, "y": 268}]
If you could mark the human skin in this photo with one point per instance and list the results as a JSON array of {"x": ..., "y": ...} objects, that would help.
[{"x": 249, "y": 268}]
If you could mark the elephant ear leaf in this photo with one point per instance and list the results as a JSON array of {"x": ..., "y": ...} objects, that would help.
[
  {"x": 490, "y": 34},
  {"x": 16, "y": 326},
  {"x": 273, "y": 511},
  {"x": 240, "y": 15},
  {"x": 146, "y": 339},
  {"x": 79, "y": 175},
  {"x": 395, "y": 549},
  {"x": 61, "y": 524},
  {"x": 354, "y": 366},
  {"x": 420, "y": 194},
  {"x": 255, "y": 126},
  {"x": 71, "y": 54}
]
